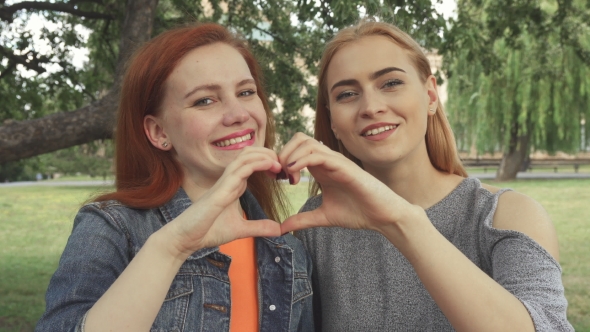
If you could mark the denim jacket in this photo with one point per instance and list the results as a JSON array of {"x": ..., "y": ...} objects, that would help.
[{"x": 107, "y": 235}]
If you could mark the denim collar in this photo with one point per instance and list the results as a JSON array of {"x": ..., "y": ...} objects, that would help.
[{"x": 181, "y": 202}]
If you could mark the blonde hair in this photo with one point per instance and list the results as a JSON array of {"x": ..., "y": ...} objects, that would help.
[{"x": 440, "y": 141}]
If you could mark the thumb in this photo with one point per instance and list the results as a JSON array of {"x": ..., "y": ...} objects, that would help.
[
  {"x": 304, "y": 220},
  {"x": 261, "y": 228}
]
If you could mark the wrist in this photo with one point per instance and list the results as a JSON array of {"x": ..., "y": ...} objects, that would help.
[
  {"x": 407, "y": 230},
  {"x": 167, "y": 244}
]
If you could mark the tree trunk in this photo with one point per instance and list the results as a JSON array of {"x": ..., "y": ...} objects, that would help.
[
  {"x": 514, "y": 158},
  {"x": 23, "y": 139}
]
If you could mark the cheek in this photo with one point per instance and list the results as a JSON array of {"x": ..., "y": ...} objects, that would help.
[
  {"x": 259, "y": 114},
  {"x": 342, "y": 124},
  {"x": 194, "y": 129}
]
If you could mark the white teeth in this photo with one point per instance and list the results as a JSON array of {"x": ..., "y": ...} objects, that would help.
[
  {"x": 231, "y": 141},
  {"x": 379, "y": 130}
]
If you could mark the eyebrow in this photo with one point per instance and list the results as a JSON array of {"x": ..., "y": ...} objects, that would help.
[
  {"x": 372, "y": 77},
  {"x": 216, "y": 87},
  {"x": 384, "y": 71}
]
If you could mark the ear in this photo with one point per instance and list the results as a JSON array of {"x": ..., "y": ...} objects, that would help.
[
  {"x": 155, "y": 133},
  {"x": 432, "y": 92}
]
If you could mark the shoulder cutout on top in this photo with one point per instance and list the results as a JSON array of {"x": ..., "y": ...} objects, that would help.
[{"x": 521, "y": 213}]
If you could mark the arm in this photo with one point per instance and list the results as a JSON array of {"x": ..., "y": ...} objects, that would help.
[
  {"x": 352, "y": 198},
  {"x": 133, "y": 298}
]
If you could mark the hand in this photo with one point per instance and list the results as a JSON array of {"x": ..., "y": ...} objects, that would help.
[
  {"x": 352, "y": 198},
  {"x": 215, "y": 218}
]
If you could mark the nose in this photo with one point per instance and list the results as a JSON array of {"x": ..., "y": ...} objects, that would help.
[
  {"x": 235, "y": 113},
  {"x": 372, "y": 105}
]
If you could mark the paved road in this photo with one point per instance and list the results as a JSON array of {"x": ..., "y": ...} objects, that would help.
[{"x": 483, "y": 176}]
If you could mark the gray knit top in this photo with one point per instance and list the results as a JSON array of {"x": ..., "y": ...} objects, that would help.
[{"x": 361, "y": 282}]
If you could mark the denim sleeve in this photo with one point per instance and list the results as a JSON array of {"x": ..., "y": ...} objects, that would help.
[
  {"x": 307, "y": 312},
  {"x": 95, "y": 255}
]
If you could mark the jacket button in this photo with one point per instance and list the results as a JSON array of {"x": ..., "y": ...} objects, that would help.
[
  {"x": 272, "y": 307},
  {"x": 277, "y": 259}
]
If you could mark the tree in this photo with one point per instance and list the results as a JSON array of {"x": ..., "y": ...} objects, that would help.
[
  {"x": 519, "y": 77},
  {"x": 35, "y": 135},
  {"x": 286, "y": 35}
]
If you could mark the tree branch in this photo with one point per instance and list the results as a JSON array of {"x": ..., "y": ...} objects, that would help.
[
  {"x": 11, "y": 66},
  {"x": 25, "y": 139},
  {"x": 31, "y": 64},
  {"x": 277, "y": 37},
  {"x": 7, "y": 13}
]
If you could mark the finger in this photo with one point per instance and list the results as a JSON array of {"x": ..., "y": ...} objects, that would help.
[
  {"x": 305, "y": 148},
  {"x": 326, "y": 161},
  {"x": 232, "y": 184},
  {"x": 304, "y": 220},
  {"x": 260, "y": 228},
  {"x": 291, "y": 146},
  {"x": 248, "y": 163},
  {"x": 294, "y": 177}
]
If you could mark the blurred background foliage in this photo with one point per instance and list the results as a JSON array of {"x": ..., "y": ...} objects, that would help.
[{"x": 517, "y": 70}]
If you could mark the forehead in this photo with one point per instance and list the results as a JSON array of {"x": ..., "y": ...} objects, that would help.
[
  {"x": 210, "y": 64},
  {"x": 367, "y": 55}
]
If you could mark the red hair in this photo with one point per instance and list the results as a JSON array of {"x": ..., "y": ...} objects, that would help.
[{"x": 147, "y": 177}]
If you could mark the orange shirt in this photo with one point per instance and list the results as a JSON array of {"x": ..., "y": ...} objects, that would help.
[{"x": 243, "y": 278}]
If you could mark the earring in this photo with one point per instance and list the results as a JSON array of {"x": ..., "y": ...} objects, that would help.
[
  {"x": 432, "y": 111},
  {"x": 165, "y": 144}
]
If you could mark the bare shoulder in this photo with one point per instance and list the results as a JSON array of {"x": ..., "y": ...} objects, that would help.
[{"x": 521, "y": 213}]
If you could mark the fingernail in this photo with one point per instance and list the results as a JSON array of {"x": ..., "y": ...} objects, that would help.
[
  {"x": 281, "y": 175},
  {"x": 291, "y": 164},
  {"x": 291, "y": 180}
]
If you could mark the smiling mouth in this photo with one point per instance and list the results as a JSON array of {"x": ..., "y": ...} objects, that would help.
[
  {"x": 233, "y": 141},
  {"x": 379, "y": 130}
]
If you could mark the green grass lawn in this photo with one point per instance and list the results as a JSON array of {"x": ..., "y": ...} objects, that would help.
[{"x": 35, "y": 222}]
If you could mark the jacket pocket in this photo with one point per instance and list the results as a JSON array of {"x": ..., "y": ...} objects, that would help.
[
  {"x": 301, "y": 286},
  {"x": 172, "y": 314}
]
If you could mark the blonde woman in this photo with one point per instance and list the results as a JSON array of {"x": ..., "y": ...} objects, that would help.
[{"x": 401, "y": 238}]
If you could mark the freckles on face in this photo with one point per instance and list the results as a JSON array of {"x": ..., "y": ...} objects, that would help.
[{"x": 211, "y": 97}]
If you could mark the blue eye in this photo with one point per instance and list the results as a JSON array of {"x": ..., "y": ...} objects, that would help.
[
  {"x": 246, "y": 93},
  {"x": 203, "y": 102},
  {"x": 344, "y": 95},
  {"x": 392, "y": 83}
]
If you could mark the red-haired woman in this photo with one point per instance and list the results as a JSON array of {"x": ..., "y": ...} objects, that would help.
[
  {"x": 439, "y": 251},
  {"x": 187, "y": 242}
]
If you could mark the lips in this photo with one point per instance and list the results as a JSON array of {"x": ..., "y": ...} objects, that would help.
[
  {"x": 233, "y": 140},
  {"x": 377, "y": 128}
]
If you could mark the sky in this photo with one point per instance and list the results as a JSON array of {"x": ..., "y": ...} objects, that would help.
[{"x": 446, "y": 8}]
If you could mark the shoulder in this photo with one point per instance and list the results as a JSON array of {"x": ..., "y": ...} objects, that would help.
[
  {"x": 312, "y": 203},
  {"x": 109, "y": 210},
  {"x": 98, "y": 217},
  {"x": 518, "y": 212}
]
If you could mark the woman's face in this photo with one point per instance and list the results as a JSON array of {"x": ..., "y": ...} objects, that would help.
[
  {"x": 210, "y": 112},
  {"x": 378, "y": 104}
]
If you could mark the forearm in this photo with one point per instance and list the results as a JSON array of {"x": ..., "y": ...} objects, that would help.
[
  {"x": 468, "y": 297},
  {"x": 134, "y": 299}
]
